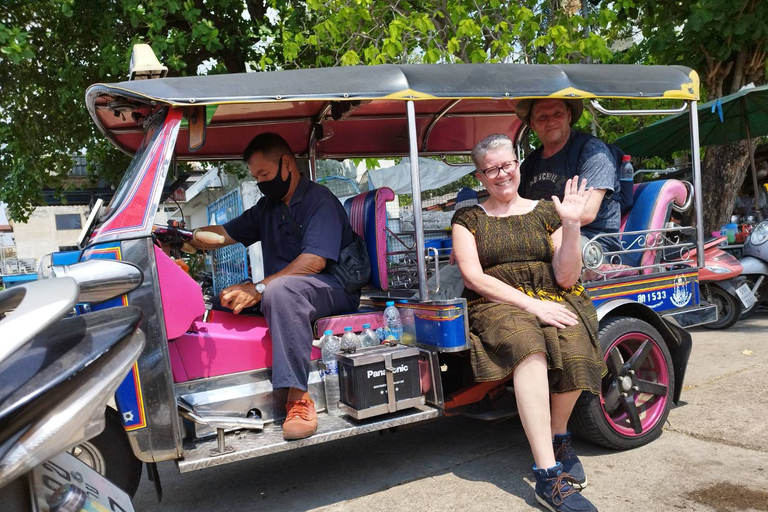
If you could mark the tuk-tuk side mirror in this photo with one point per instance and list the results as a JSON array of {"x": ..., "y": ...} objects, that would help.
[{"x": 196, "y": 120}]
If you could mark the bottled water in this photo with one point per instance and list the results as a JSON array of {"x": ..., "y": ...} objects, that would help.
[
  {"x": 330, "y": 345},
  {"x": 393, "y": 326},
  {"x": 626, "y": 180},
  {"x": 368, "y": 337},
  {"x": 407, "y": 321},
  {"x": 350, "y": 342}
]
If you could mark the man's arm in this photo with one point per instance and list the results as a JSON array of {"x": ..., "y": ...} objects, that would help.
[
  {"x": 598, "y": 167},
  {"x": 242, "y": 296},
  {"x": 593, "y": 205}
]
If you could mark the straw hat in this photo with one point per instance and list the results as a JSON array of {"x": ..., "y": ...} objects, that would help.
[{"x": 523, "y": 109}]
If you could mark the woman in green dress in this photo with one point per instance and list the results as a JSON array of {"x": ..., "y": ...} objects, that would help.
[{"x": 529, "y": 316}]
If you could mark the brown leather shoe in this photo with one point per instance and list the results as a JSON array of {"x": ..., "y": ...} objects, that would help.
[{"x": 300, "y": 420}]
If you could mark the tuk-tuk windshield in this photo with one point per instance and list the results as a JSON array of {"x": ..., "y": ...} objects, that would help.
[{"x": 131, "y": 178}]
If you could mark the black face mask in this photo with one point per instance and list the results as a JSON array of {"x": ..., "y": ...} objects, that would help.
[{"x": 276, "y": 188}]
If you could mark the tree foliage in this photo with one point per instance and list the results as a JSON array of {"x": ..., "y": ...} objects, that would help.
[
  {"x": 51, "y": 50},
  {"x": 726, "y": 41}
]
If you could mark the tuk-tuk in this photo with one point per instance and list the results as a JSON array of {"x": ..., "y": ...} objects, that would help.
[{"x": 201, "y": 394}]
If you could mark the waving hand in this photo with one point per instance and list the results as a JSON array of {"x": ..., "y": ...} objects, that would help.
[{"x": 571, "y": 208}]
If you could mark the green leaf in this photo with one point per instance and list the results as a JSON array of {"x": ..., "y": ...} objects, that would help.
[{"x": 350, "y": 58}]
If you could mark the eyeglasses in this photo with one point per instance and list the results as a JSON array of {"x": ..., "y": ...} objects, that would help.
[{"x": 508, "y": 168}]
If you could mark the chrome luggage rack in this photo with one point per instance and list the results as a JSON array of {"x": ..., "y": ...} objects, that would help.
[
  {"x": 601, "y": 265},
  {"x": 402, "y": 266}
]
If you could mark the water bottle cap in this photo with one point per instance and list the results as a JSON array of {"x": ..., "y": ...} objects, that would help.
[
  {"x": 347, "y": 329},
  {"x": 328, "y": 333},
  {"x": 366, "y": 326},
  {"x": 390, "y": 303},
  {"x": 403, "y": 301},
  {"x": 626, "y": 158}
]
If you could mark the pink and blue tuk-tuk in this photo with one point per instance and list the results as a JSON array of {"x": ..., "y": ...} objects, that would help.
[{"x": 200, "y": 393}]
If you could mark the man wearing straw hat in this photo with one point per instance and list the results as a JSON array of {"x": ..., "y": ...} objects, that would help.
[{"x": 565, "y": 153}]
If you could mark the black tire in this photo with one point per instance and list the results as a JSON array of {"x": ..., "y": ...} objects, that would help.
[
  {"x": 759, "y": 296},
  {"x": 729, "y": 308},
  {"x": 110, "y": 454},
  {"x": 596, "y": 420}
]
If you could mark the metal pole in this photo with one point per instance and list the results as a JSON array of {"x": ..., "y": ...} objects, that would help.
[
  {"x": 312, "y": 153},
  {"x": 698, "y": 191},
  {"x": 418, "y": 222},
  {"x": 754, "y": 169}
]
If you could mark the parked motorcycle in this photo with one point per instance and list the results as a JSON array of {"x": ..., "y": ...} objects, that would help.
[
  {"x": 57, "y": 375},
  {"x": 754, "y": 260}
]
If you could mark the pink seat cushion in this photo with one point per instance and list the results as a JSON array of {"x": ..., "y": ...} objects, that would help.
[{"x": 228, "y": 343}]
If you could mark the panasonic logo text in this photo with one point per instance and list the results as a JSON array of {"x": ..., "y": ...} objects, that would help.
[{"x": 381, "y": 373}]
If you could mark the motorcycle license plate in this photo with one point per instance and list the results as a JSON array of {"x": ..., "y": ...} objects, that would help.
[
  {"x": 746, "y": 296},
  {"x": 101, "y": 494}
]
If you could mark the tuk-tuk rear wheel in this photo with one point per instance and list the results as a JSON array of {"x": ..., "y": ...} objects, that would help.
[
  {"x": 636, "y": 394},
  {"x": 110, "y": 454}
]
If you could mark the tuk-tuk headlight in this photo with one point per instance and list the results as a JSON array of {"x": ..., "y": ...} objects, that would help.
[
  {"x": 45, "y": 267},
  {"x": 759, "y": 234}
]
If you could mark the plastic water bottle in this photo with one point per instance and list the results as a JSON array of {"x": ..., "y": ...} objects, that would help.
[
  {"x": 330, "y": 346},
  {"x": 626, "y": 180},
  {"x": 368, "y": 337},
  {"x": 350, "y": 342},
  {"x": 407, "y": 321},
  {"x": 393, "y": 326}
]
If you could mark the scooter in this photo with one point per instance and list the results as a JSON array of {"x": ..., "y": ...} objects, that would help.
[
  {"x": 57, "y": 375},
  {"x": 754, "y": 261},
  {"x": 719, "y": 281}
]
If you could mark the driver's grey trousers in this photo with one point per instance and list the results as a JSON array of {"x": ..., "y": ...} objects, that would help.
[{"x": 290, "y": 305}]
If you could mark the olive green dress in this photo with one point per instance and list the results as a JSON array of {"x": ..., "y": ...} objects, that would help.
[{"x": 518, "y": 250}]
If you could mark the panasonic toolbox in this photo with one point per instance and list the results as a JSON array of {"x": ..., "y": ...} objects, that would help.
[{"x": 379, "y": 380}]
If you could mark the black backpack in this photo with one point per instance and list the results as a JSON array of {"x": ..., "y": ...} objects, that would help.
[{"x": 626, "y": 196}]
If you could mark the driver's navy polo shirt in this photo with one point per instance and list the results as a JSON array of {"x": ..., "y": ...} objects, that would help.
[{"x": 323, "y": 219}]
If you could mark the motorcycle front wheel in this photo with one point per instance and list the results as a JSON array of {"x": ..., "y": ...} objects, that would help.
[{"x": 110, "y": 454}]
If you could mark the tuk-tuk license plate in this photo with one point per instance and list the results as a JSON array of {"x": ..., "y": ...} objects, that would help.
[
  {"x": 102, "y": 495},
  {"x": 746, "y": 296}
]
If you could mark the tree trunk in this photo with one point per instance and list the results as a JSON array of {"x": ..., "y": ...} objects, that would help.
[{"x": 723, "y": 171}]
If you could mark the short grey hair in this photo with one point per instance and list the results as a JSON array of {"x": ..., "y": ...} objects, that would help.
[{"x": 491, "y": 143}]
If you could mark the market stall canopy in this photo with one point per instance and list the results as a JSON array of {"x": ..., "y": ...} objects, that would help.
[
  {"x": 360, "y": 111},
  {"x": 725, "y": 119}
]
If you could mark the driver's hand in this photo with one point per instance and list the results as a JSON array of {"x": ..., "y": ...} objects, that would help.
[{"x": 239, "y": 297}]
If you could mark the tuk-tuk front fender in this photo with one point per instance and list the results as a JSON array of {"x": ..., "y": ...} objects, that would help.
[{"x": 678, "y": 340}]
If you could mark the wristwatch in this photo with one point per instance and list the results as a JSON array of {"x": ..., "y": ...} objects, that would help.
[{"x": 260, "y": 287}]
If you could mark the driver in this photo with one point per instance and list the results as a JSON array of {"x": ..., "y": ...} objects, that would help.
[{"x": 295, "y": 292}]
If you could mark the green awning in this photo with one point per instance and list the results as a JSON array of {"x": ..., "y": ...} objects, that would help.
[{"x": 722, "y": 120}]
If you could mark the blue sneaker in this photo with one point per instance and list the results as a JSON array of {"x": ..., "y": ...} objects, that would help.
[
  {"x": 571, "y": 464},
  {"x": 556, "y": 494}
]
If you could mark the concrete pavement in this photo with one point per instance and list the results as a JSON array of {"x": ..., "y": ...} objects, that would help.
[{"x": 712, "y": 456}]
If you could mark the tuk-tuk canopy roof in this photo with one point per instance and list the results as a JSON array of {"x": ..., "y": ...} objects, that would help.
[{"x": 361, "y": 109}]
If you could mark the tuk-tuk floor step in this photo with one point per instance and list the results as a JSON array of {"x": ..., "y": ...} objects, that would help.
[{"x": 247, "y": 444}]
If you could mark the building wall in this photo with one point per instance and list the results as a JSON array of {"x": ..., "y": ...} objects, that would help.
[{"x": 39, "y": 236}]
